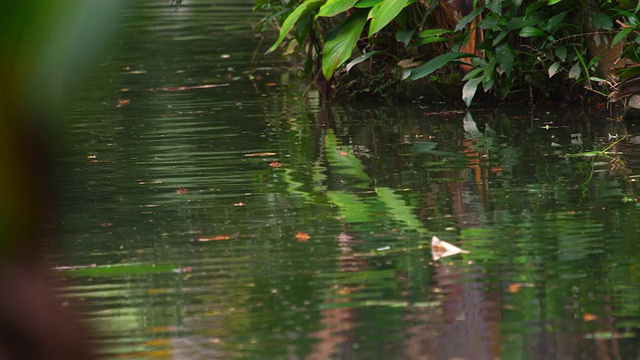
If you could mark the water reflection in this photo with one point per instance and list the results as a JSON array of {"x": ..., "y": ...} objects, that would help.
[{"x": 243, "y": 222}]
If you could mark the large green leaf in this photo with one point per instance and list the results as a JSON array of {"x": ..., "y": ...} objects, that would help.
[
  {"x": 506, "y": 56},
  {"x": 468, "y": 18},
  {"x": 302, "y": 10},
  {"x": 361, "y": 58},
  {"x": 383, "y": 13},
  {"x": 433, "y": 65},
  {"x": 340, "y": 43},
  {"x": 335, "y": 7},
  {"x": 367, "y": 3},
  {"x": 469, "y": 90}
]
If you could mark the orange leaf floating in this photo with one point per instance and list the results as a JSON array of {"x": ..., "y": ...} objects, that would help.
[
  {"x": 275, "y": 164},
  {"x": 216, "y": 238},
  {"x": 440, "y": 249},
  {"x": 182, "y": 191},
  {"x": 514, "y": 288},
  {"x": 302, "y": 236},
  {"x": 123, "y": 102},
  {"x": 589, "y": 317}
]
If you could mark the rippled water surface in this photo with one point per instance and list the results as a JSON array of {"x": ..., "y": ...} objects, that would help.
[{"x": 213, "y": 210}]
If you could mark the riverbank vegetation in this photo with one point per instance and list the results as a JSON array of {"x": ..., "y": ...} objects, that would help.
[{"x": 492, "y": 50}]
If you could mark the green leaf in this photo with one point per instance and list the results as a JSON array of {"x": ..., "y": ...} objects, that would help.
[
  {"x": 495, "y": 6},
  {"x": 302, "y": 10},
  {"x": 340, "y": 43},
  {"x": 360, "y": 59},
  {"x": 574, "y": 72},
  {"x": 468, "y": 18},
  {"x": 602, "y": 21},
  {"x": 554, "y": 21},
  {"x": 532, "y": 8},
  {"x": 621, "y": 35},
  {"x": 383, "y": 13},
  {"x": 553, "y": 2},
  {"x": 433, "y": 33},
  {"x": 335, "y": 7},
  {"x": 553, "y": 69},
  {"x": 506, "y": 56},
  {"x": 489, "y": 72},
  {"x": 367, "y": 3},
  {"x": 404, "y": 36},
  {"x": 561, "y": 53},
  {"x": 530, "y": 31},
  {"x": 469, "y": 90},
  {"x": 433, "y": 65}
]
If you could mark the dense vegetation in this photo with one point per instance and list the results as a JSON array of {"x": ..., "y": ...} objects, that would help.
[{"x": 562, "y": 49}]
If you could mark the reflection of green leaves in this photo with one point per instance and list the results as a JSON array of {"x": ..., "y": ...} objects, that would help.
[
  {"x": 352, "y": 209},
  {"x": 344, "y": 162},
  {"x": 399, "y": 210}
]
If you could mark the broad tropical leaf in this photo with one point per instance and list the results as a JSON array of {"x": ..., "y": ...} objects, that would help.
[
  {"x": 340, "y": 43},
  {"x": 360, "y": 59},
  {"x": 383, "y": 13},
  {"x": 367, "y": 3},
  {"x": 335, "y": 7},
  {"x": 304, "y": 8},
  {"x": 506, "y": 56},
  {"x": 469, "y": 90},
  {"x": 433, "y": 65}
]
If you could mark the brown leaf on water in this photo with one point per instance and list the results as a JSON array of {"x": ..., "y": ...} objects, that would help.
[
  {"x": 215, "y": 238},
  {"x": 239, "y": 204},
  {"x": 275, "y": 164},
  {"x": 260, "y": 154},
  {"x": 302, "y": 236},
  {"x": 589, "y": 317},
  {"x": 514, "y": 288},
  {"x": 271, "y": 84},
  {"x": 182, "y": 191},
  {"x": 440, "y": 249},
  {"x": 123, "y": 102}
]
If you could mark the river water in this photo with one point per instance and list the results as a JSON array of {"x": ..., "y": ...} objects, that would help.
[{"x": 213, "y": 210}]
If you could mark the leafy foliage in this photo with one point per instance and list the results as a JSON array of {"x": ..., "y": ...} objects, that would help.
[{"x": 524, "y": 47}]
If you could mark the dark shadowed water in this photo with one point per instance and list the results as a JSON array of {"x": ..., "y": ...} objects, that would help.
[{"x": 214, "y": 211}]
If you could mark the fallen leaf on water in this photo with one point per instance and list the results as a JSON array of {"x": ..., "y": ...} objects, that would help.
[
  {"x": 260, "y": 154},
  {"x": 182, "y": 191},
  {"x": 514, "y": 288},
  {"x": 271, "y": 84},
  {"x": 123, "y": 102},
  {"x": 275, "y": 164},
  {"x": 183, "y": 88},
  {"x": 216, "y": 238},
  {"x": 589, "y": 317},
  {"x": 440, "y": 249},
  {"x": 302, "y": 236},
  {"x": 239, "y": 204}
]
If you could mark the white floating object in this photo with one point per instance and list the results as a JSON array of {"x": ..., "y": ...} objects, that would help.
[{"x": 440, "y": 249}]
